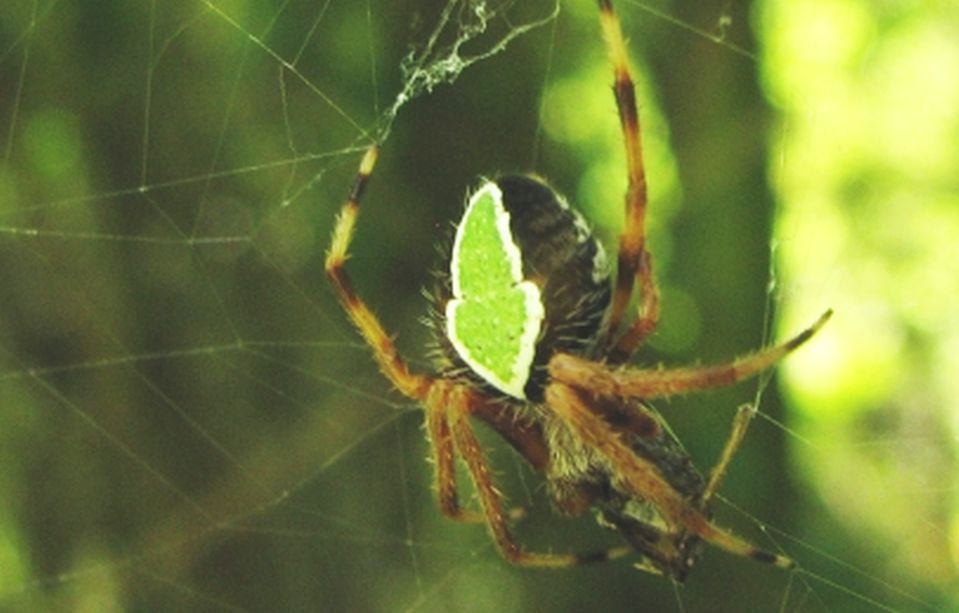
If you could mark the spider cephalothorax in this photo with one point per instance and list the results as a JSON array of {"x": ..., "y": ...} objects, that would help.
[{"x": 531, "y": 335}]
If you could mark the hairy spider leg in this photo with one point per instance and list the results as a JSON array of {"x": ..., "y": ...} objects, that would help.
[
  {"x": 413, "y": 386},
  {"x": 457, "y": 407},
  {"x": 524, "y": 437},
  {"x": 644, "y": 480},
  {"x": 744, "y": 417},
  {"x": 648, "y": 384},
  {"x": 633, "y": 261},
  {"x": 444, "y": 457},
  {"x": 448, "y": 406}
]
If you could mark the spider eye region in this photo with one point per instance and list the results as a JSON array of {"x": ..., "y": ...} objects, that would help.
[{"x": 494, "y": 316}]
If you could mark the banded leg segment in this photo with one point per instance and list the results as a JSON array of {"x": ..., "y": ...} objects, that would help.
[
  {"x": 414, "y": 386},
  {"x": 633, "y": 261},
  {"x": 657, "y": 383},
  {"x": 647, "y": 314}
]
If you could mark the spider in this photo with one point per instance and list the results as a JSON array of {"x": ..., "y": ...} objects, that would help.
[{"x": 532, "y": 337}]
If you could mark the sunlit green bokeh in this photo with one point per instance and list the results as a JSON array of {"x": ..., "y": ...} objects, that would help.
[{"x": 865, "y": 163}]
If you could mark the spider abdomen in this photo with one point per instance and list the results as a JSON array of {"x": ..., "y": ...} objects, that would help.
[{"x": 527, "y": 279}]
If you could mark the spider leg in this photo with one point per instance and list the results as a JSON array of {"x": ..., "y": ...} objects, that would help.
[
  {"x": 413, "y": 386},
  {"x": 444, "y": 456},
  {"x": 633, "y": 260},
  {"x": 647, "y": 384},
  {"x": 647, "y": 314},
  {"x": 529, "y": 444},
  {"x": 454, "y": 403},
  {"x": 744, "y": 417},
  {"x": 644, "y": 480}
]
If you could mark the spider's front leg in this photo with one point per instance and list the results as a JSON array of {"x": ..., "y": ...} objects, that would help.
[
  {"x": 648, "y": 384},
  {"x": 412, "y": 385},
  {"x": 418, "y": 387}
]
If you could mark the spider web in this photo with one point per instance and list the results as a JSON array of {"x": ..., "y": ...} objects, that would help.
[{"x": 188, "y": 422}]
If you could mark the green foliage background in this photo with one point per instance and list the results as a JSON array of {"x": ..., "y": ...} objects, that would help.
[{"x": 187, "y": 422}]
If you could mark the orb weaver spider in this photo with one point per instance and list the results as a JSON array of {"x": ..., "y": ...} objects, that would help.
[{"x": 532, "y": 338}]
